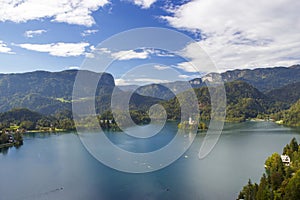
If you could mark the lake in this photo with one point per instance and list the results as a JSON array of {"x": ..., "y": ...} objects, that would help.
[{"x": 57, "y": 166}]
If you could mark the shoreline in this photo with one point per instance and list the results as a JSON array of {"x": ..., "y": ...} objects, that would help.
[{"x": 6, "y": 145}]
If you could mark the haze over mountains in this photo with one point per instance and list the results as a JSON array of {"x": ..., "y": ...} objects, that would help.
[{"x": 49, "y": 92}]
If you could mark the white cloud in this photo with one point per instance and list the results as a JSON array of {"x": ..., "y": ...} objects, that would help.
[
  {"x": 183, "y": 76},
  {"x": 32, "y": 33},
  {"x": 241, "y": 34},
  {"x": 142, "y": 53},
  {"x": 73, "y": 68},
  {"x": 102, "y": 50},
  {"x": 4, "y": 48},
  {"x": 68, "y": 11},
  {"x": 96, "y": 51},
  {"x": 144, "y": 3},
  {"x": 139, "y": 81},
  {"x": 89, "y": 32},
  {"x": 58, "y": 49},
  {"x": 130, "y": 54},
  {"x": 160, "y": 67}
]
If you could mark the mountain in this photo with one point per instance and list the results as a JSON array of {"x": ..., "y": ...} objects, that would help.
[
  {"x": 243, "y": 102},
  {"x": 264, "y": 79},
  {"x": 128, "y": 88},
  {"x": 46, "y": 84},
  {"x": 50, "y": 92},
  {"x": 164, "y": 90},
  {"x": 289, "y": 93},
  {"x": 46, "y": 92},
  {"x": 156, "y": 90}
]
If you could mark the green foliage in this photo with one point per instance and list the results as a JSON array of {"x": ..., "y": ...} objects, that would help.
[
  {"x": 280, "y": 181},
  {"x": 263, "y": 191},
  {"x": 249, "y": 191},
  {"x": 29, "y": 120},
  {"x": 243, "y": 102},
  {"x": 107, "y": 120},
  {"x": 18, "y": 115},
  {"x": 290, "y": 117},
  {"x": 156, "y": 91},
  {"x": 47, "y": 92},
  {"x": 292, "y": 191},
  {"x": 289, "y": 94},
  {"x": 275, "y": 170},
  {"x": 265, "y": 79},
  {"x": 3, "y": 138},
  {"x": 28, "y": 125}
]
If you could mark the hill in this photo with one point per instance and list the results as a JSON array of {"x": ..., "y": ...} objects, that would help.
[
  {"x": 264, "y": 79},
  {"x": 289, "y": 93},
  {"x": 45, "y": 92},
  {"x": 19, "y": 117},
  {"x": 164, "y": 90},
  {"x": 50, "y": 92},
  {"x": 20, "y": 114},
  {"x": 243, "y": 102},
  {"x": 290, "y": 117},
  {"x": 281, "y": 178}
]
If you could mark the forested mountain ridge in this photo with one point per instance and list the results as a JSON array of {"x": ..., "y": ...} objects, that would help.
[
  {"x": 243, "y": 102},
  {"x": 49, "y": 92},
  {"x": 290, "y": 117},
  {"x": 46, "y": 84},
  {"x": 166, "y": 91},
  {"x": 264, "y": 79},
  {"x": 289, "y": 93}
]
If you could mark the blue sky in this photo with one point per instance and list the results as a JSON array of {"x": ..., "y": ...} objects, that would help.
[{"x": 59, "y": 35}]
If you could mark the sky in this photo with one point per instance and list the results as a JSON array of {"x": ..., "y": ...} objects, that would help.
[{"x": 58, "y": 35}]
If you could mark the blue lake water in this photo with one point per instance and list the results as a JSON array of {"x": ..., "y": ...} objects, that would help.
[{"x": 57, "y": 166}]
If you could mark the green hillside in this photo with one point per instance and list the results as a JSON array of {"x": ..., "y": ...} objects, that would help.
[
  {"x": 243, "y": 102},
  {"x": 290, "y": 117},
  {"x": 289, "y": 93},
  {"x": 265, "y": 79},
  {"x": 280, "y": 181}
]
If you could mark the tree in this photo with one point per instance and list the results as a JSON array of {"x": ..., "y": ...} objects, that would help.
[
  {"x": 275, "y": 170},
  {"x": 294, "y": 145},
  {"x": 249, "y": 191},
  {"x": 263, "y": 192},
  {"x": 3, "y": 138},
  {"x": 66, "y": 124},
  {"x": 279, "y": 182},
  {"x": 292, "y": 191},
  {"x": 28, "y": 125}
]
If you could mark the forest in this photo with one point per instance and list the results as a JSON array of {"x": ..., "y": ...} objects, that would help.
[{"x": 280, "y": 180}]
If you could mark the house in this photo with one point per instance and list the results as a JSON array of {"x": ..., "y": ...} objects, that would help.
[
  {"x": 191, "y": 122},
  {"x": 285, "y": 160}
]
